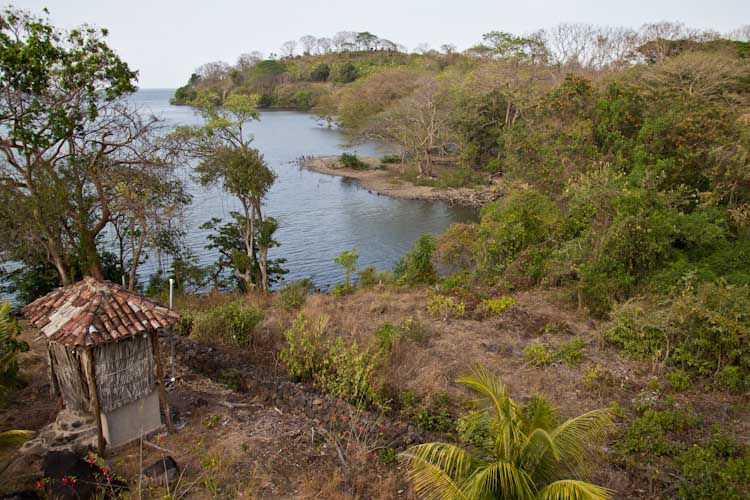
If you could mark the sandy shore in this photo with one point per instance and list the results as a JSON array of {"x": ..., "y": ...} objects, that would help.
[{"x": 387, "y": 182}]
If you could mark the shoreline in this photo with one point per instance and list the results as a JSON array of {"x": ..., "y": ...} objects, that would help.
[{"x": 386, "y": 181}]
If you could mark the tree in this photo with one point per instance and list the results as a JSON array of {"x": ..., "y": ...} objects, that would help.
[
  {"x": 288, "y": 48},
  {"x": 520, "y": 452},
  {"x": 65, "y": 129},
  {"x": 365, "y": 40},
  {"x": 324, "y": 45},
  {"x": 308, "y": 44},
  {"x": 343, "y": 40},
  {"x": 249, "y": 59},
  {"x": 222, "y": 145},
  {"x": 419, "y": 123},
  {"x": 227, "y": 239}
]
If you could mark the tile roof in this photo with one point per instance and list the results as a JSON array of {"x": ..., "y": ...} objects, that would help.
[{"x": 93, "y": 312}]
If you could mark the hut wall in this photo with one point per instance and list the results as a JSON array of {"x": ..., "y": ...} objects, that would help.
[
  {"x": 131, "y": 421},
  {"x": 68, "y": 375},
  {"x": 124, "y": 372}
]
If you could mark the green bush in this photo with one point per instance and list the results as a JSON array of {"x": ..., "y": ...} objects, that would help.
[
  {"x": 348, "y": 160},
  {"x": 294, "y": 295},
  {"x": 473, "y": 428},
  {"x": 703, "y": 329},
  {"x": 571, "y": 353},
  {"x": 232, "y": 323},
  {"x": 311, "y": 355},
  {"x": 679, "y": 380},
  {"x": 416, "y": 267},
  {"x": 537, "y": 355},
  {"x": 306, "y": 349},
  {"x": 718, "y": 470},
  {"x": 386, "y": 335},
  {"x": 495, "y": 307},
  {"x": 349, "y": 374},
  {"x": 444, "y": 307},
  {"x": 650, "y": 434},
  {"x": 348, "y": 260},
  {"x": 10, "y": 346}
]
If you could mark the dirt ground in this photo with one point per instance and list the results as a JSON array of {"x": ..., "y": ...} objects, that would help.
[
  {"x": 244, "y": 444},
  {"x": 388, "y": 181}
]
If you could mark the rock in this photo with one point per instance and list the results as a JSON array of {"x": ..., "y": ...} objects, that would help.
[
  {"x": 317, "y": 402},
  {"x": 166, "y": 468},
  {"x": 60, "y": 465},
  {"x": 33, "y": 447}
]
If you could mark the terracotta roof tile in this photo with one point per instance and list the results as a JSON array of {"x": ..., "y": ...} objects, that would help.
[{"x": 93, "y": 312}]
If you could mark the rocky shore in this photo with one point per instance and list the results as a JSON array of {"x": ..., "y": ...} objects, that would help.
[{"x": 388, "y": 182}]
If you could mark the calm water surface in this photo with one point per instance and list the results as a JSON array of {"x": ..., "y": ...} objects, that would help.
[{"x": 319, "y": 215}]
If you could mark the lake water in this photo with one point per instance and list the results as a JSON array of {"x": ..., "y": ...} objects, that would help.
[{"x": 319, "y": 216}]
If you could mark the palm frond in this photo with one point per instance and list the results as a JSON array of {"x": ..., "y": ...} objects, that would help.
[
  {"x": 576, "y": 438},
  {"x": 436, "y": 470},
  {"x": 500, "y": 480},
  {"x": 574, "y": 490}
]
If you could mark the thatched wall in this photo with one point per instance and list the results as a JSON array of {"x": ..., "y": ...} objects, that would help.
[
  {"x": 124, "y": 371},
  {"x": 70, "y": 381}
]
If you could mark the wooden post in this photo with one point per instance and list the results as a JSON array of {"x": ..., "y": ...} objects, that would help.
[
  {"x": 160, "y": 379},
  {"x": 95, "y": 401}
]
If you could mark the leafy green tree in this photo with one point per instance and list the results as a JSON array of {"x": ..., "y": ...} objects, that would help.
[
  {"x": 66, "y": 134},
  {"x": 516, "y": 452},
  {"x": 416, "y": 266},
  {"x": 348, "y": 260},
  {"x": 346, "y": 73},
  {"x": 222, "y": 145}
]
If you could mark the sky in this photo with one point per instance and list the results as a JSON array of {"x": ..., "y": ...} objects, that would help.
[{"x": 166, "y": 40}]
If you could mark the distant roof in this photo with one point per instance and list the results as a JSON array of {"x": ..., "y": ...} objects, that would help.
[{"x": 93, "y": 312}]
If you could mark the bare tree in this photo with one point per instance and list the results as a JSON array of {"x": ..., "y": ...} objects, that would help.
[
  {"x": 448, "y": 48},
  {"x": 249, "y": 59},
  {"x": 288, "y": 48},
  {"x": 419, "y": 124},
  {"x": 308, "y": 44},
  {"x": 422, "y": 48},
  {"x": 213, "y": 71},
  {"x": 343, "y": 40},
  {"x": 741, "y": 34},
  {"x": 324, "y": 45}
]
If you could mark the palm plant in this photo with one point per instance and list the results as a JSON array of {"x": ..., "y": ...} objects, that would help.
[{"x": 523, "y": 453}]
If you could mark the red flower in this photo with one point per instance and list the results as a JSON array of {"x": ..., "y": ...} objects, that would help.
[
  {"x": 65, "y": 480},
  {"x": 91, "y": 460},
  {"x": 72, "y": 480},
  {"x": 361, "y": 430},
  {"x": 105, "y": 471},
  {"x": 40, "y": 484},
  {"x": 109, "y": 479}
]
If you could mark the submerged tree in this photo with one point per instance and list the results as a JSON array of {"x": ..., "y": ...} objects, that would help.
[{"x": 521, "y": 453}]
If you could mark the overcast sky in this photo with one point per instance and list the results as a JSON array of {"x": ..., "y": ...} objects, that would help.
[{"x": 165, "y": 40}]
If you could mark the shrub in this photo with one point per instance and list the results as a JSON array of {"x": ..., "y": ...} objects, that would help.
[
  {"x": 231, "y": 323},
  {"x": 320, "y": 73},
  {"x": 293, "y": 295},
  {"x": 390, "y": 159},
  {"x": 370, "y": 276},
  {"x": 444, "y": 307},
  {"x": 596, "y": 378},
  {"x": 386, "y": 335},
  {"x": 702, "y": 329},
  {"x": 416, "y": 266},
  {"x": 344, "y": 372},
  {"x": 571, "y": 353},
  {"x": 346, "y": 73},
  {"x": 719, "y": 469},
  {"x": 509, "y": 225},
  {"x": 10, "y": 346},
  {"x": 679, "y": 380},
  {"x": 649, "y": 434},
  {"x": 414, "y": 330},
  {"x": 455, "y": 249},
  {"x": 349, "y": 374},
  {"x": 348, "y": 160},
  {"x": 348, "y": 260},
  {"x": 537, "y": 355},
  {"x": 495, "y": 307},
  {"x": 307, "y": 346},
  {"x": 473, "y": 428}
]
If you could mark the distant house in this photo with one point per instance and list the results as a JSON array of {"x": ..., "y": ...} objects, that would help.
[{"x": 104, "y": 356}]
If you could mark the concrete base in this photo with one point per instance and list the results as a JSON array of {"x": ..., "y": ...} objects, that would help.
[{"x": 130, "y": 422}]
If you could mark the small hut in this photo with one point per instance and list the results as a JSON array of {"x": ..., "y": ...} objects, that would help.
[{"x": 104, "y": 356}]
